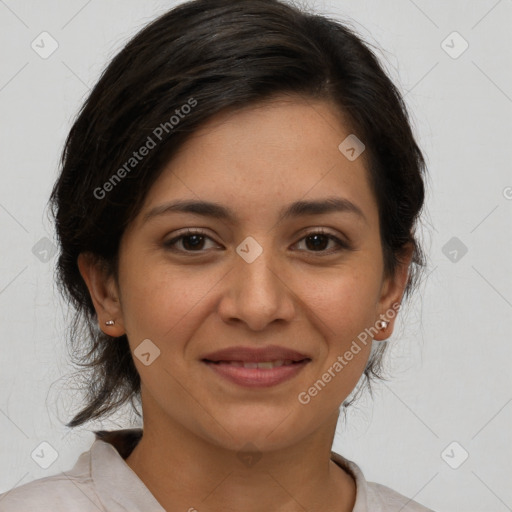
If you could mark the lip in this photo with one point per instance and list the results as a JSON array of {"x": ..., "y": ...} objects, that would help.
[
  {"x": 219, "y": 361},
  {"x": 257, "y": 377}
]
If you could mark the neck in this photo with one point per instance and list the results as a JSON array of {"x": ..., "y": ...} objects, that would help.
[{"x": 185, "y": 472}]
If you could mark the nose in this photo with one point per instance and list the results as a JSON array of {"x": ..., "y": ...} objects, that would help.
[{"x": 257, "y": 293}]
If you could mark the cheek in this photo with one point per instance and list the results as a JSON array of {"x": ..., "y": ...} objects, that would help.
[
  {"x": 344, "y": 300},
  {"x": 157, "y": 300},
  {"x": 344, "y": 307}
]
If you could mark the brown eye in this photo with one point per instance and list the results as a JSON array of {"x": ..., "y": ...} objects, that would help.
[
  {"x": 318, "y": 241},
  {"x": 191, "y": 241}
]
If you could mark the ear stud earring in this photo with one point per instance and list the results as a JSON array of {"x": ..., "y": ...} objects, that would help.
[
  {"x": 110, "y": 322},
  {"x": 382, "y": 324}
]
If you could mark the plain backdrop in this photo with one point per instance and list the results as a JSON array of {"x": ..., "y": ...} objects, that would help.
[{"x": 450, "y": 396}]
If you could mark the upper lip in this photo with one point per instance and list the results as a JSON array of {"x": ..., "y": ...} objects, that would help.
[{"x": 256, "y": 355}]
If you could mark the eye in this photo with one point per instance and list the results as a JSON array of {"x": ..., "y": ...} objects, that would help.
[
  {"x": 192, "y": 241},
  {"x": 317, "y": 241}
]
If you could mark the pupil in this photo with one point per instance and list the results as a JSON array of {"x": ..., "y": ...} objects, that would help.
[
  {"x": 193, "y": 245},
  {"x": 316, "y": 237}
]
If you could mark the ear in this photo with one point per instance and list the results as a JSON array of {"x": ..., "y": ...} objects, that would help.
[
  {"x": 104, "y": 293},
  {"x": 392, "y": 291}
]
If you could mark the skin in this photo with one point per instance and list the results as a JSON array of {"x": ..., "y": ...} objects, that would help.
[{"x": 254, "y": 161}]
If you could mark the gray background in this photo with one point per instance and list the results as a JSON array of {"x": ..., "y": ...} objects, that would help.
[{"x": 451, "y": 351}]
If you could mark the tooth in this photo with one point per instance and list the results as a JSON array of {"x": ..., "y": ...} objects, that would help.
[{"x": 266, "y": 365}]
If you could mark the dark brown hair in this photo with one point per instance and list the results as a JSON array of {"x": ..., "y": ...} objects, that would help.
[{"x": 214, "y": 55}]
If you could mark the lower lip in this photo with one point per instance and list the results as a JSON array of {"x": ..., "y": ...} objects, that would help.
[{"x": 257, "y": 377}]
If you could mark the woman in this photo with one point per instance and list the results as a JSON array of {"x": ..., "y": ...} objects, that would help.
[{"x": 236, "y": 212}]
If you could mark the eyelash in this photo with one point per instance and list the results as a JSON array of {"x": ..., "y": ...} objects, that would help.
[{"x": 319, "y": 231}]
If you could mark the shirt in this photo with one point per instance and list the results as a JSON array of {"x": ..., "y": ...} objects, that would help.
[{"x": 101, "y": 480}]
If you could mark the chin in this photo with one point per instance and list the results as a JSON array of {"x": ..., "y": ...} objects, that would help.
[{"x": 265, "y": 432}]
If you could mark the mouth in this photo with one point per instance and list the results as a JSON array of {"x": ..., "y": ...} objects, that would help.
[
  {"x": 257, "y": 374},
  {"x": 256, "y": 367}
]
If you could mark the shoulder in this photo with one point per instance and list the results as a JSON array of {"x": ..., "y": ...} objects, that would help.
[
  {"x": 384, "y": 499},
  {"x": 69, "y": 490},
  {"x": 373, "y": 497}
]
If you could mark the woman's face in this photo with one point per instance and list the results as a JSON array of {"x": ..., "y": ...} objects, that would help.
[{"x": 253, "y": 279}]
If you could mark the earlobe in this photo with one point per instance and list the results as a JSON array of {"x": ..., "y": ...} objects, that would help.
[{"x": 104, "y": 293}]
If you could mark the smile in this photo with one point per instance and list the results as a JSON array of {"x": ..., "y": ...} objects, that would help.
[{"x": 257, "y": 374}]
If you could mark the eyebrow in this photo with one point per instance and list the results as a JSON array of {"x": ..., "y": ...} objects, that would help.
[{"x": 296, "y": 209}]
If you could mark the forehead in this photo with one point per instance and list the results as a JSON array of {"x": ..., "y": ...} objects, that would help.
[{"x": 262, "y": 156}]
